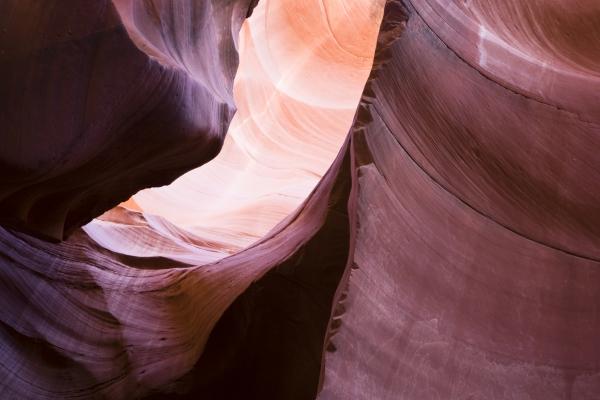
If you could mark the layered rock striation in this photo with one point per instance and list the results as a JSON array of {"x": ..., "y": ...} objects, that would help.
[
  {"x": 474, "y": 267},
  {"x": 450, "y": 251},
  {"x": 100, "y": 99}
]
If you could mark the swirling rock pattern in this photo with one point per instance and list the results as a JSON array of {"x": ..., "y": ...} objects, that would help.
[
  {"x": 124, "y": 307},
  {"x": 475, "y": 263},
  {"x": 99, "y": 100},
  {"x": 302, "y": 72},
  {"x": 450, "y": 251}
]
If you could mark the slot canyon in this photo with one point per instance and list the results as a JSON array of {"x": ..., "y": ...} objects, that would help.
[{"x": 300, "y": 199}]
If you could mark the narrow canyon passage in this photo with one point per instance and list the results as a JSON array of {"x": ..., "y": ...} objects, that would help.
[
  {"x": 404, "y": 206},
  {"x": 301, "y": 74},
  {"x": 143, "y": 283}
]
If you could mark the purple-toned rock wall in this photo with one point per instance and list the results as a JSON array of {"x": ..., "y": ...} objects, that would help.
[{"x": 450, "y": 252}]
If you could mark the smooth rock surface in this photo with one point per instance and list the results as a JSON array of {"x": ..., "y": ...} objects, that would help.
[
  {"x": 124, "y": 307},
  {"x": 475, "y": 262},
  {"x": 302, "y": 71},
  {"x": 99, "y": 100},
  {"x": 449, "y": 252}
]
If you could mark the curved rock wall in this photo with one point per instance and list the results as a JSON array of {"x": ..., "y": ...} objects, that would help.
[
  {"x": 449, "y": 252},
  {"x": 301, "y": 75},
  {"x": 88, "y": 118},
  {"x": 124, "y": 307},
  {"x": 475, "y": 265}
]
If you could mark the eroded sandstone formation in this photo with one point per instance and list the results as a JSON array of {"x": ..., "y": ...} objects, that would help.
[
  {"x": 475, "y": 253},
  {"x": 100, "y": 99},
  {"x": 299, "y": 81},
  {"x": 449, "y": 252},
  {"x": 125, "y": 307}
]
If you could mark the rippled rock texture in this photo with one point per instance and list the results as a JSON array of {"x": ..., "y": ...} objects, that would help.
[
  {"x": 100, "y": 99},
  {"x": 449, "y": 252},
  {"x": 302, "y": 71},
  {"x": 475, "y": 262},
  {"x": 124, "y": 307}
]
